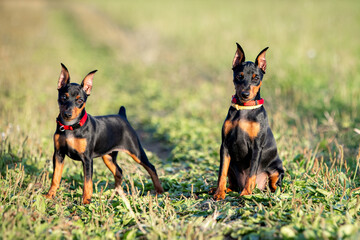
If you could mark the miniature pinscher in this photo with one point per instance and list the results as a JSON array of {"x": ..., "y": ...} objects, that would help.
[
  {"x": 83, "y": 137},
  {"x": 248, "y": 153}
]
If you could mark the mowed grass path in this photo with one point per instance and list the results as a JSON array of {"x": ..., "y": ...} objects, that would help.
[{"x": 169, "y": 63}]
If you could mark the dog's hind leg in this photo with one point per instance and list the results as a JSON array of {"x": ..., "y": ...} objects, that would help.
[
  {"x": 276, "y": 174},
  {"x": 275, "y": 180},
  {"x": 142, "y": 159},
  {"x": 110, "y": 162}
]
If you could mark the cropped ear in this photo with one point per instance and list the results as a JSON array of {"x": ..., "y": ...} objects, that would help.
[
  {"x": 86, "y": 84},
  {"x": 64, "y": 77},
  {"x": 260, "y": 60},
  {"x": 239, "y": 56}
]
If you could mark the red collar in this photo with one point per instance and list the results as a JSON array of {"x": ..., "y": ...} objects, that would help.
[
  {"x": 63, "y": 127},
  {"x": 249, "y": 103}
]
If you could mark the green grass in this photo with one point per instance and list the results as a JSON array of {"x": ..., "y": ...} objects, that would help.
[{"x": 169, "y": 63}]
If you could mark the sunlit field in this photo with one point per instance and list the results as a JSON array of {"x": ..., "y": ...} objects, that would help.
[{"x": 169, "y": 64}]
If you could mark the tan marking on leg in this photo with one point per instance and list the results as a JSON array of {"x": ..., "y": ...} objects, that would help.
[
  {"x": 87, "y": 191},
  {"x": 59, "y": 141},
  {"x": 159, "y": 189},
  {"x": 228, "y": 190},
  {"x": 220, "y": 192},
  {"x": 273, "y": 178},
  {"x": 212, "y": 190},
  {"x": 251, "y": 128},
  {"x": 55, "y": 183},
  {"x": 249, "y": 186},
  {"x": 133, "y": 156},
  {"x": 112, "y": 167},
  {"x": 56, "y": 141},
  {"x": 78, "y": 144},
  {"x": 108, "y": 162}
]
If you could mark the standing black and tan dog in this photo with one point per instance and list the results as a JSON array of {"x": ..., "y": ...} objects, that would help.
[
  {"x": 83, "y": 137},
  {"x": 248, "y": 153}
]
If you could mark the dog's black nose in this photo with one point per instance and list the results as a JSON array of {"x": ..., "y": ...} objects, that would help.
[
  {"x": 67, "y": 114},
  {"x": 245, "y": 94}
]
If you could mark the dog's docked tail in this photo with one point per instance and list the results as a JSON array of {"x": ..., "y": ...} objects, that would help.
[{"x": 122, "y": 112}]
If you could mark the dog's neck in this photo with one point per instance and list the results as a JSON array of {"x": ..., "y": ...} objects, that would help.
[
  {"x": 72, "y": 122},
  {"x": 239, "y": 101}
]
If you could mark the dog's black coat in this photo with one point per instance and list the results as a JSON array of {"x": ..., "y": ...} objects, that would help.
[
  {"x": 100, "y": 136},
  {"x": 248, "y": 153}
]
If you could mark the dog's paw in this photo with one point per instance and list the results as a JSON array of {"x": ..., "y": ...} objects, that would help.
[
  {"x": 50, "y": 195},
  {"x": 159, "y": 190},
  {"x": 245, "y": 192},
  {"x": 273, "y": 188},
  {"x": 219, "y": 195},
  {"x": 86, "y": 200}
]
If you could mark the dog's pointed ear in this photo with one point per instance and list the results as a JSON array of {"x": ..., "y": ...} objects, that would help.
[
  {"x": 64, "y": 77},
  {"x": 260, "y": 60},
  {"x": 87, "y": 83},
  {"x": 239, "y": 56}
]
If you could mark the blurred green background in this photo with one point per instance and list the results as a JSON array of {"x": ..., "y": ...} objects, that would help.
[{"x": 169, "y": 64}]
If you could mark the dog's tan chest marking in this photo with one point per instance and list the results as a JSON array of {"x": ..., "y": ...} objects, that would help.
[
  {"x": 251, "y": 128},
  {"x": 78, "y": 144}
]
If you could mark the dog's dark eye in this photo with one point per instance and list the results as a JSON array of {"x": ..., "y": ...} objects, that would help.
[
  {"x": 63, "y": 98},
  {"x": 239, "y": 77},
  {"x": 256, "y": 78},
  {"x": 80, "y": 101}
]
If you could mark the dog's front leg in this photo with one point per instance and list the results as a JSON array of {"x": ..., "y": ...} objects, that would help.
[
  {"x": 223, "y": 171},
  {"x": 250, "y": 181},
  {"x": 58, "y": 165},
  {"x": 88, "y": 184}
]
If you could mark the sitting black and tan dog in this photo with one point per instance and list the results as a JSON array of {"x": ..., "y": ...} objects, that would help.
[
  {"x": 83, "y": 137},
  {"x": 248, "y": 153}
]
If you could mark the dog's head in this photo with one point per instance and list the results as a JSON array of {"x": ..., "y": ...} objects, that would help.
[
  {"x": 72, "y": 96},
  {"x": 248, "y": 75}
]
